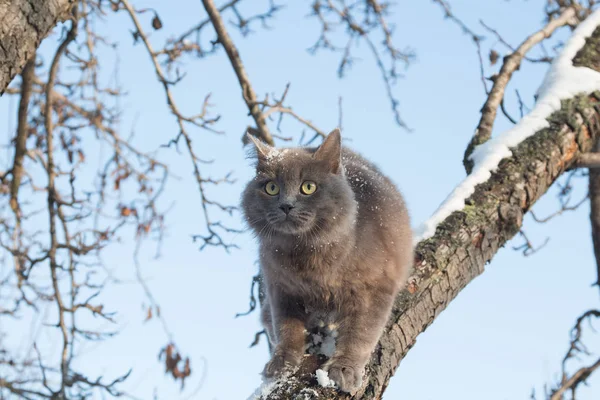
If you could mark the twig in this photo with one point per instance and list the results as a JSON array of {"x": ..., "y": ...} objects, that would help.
[
  {"x": 476, "y": 38},
  {"x": 348, "y": 14},
  {"x": 528, "y": 248},
  {"x": 577, "y": 378},
  {"x": 212, "y": 238}
]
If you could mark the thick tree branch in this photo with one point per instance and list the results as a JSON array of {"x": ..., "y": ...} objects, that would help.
[
  {"x": 468, "y": 239},
  {"x": 24, "y": 24},
  {"x": 22, "y": 133}
]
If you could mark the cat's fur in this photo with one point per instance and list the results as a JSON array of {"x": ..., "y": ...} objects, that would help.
[{"x": 340, "y": 256}]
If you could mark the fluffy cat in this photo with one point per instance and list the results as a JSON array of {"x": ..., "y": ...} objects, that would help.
[{"x": 335, "y": 248}]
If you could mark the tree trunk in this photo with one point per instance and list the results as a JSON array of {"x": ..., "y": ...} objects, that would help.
[
  {"x": 23, "y": 25},
  {"x": 469, "y": 238}
]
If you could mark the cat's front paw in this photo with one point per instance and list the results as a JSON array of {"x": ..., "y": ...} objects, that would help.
[
  {"x": 347, "y": 376},
  {"x": 279, "y": 364}
]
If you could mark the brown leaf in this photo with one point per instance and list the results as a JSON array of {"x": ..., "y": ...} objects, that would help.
[
  {"x": 494, "y": 57},
  {"x": 156, "y": 22},
  {"x": 172, "y": 358}
]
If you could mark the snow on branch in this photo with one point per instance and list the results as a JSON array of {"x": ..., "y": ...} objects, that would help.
[{"x": 563, "y": 81}]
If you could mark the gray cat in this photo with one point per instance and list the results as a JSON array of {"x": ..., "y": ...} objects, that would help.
[{"x": 335, "y": 249}]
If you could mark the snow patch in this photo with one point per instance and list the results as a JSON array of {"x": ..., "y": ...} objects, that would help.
[
  {"x": 275, "y": 154},
  {"x": 269, "y": 386},
  {"x": 563, "y": 81},
  {"x": 264, "y": 390},
  {"x": 323, "y": 379}
]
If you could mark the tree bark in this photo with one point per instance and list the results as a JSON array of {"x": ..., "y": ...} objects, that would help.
[
  {"x": 23, "y": 25},
  {"x": 468, "y": 239},
  {"x": 594, "y": 193}
]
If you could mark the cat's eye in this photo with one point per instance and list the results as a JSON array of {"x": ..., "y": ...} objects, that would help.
[
  {"x": 272, "y": 188},
  {"x": 308, "y": 187}
]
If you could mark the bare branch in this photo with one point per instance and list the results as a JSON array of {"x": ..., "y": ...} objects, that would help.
[
  {"x": 52, "y": 207},
  {"x": 483, "y": 132},
  {"x": 575, "y": 380},
  {"x": 236, "y": 62}
]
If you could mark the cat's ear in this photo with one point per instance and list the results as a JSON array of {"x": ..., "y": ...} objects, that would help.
[
  {"x": 262, "y": 149},
  {"x": 331, "y": 151}
]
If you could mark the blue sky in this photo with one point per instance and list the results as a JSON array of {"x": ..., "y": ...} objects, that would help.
[{"x": 506, "y": 332}]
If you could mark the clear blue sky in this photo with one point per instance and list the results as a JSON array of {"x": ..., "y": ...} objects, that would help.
[{"x": 506, "y": 332}]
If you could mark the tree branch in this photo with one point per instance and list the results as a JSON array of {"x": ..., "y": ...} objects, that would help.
[
  {"x": 577, "y": 378},
  {"x": 236, "y": 62},
  {"x": 594, "y": 194},
  {"x": 22, "y": 133},
  {"x": 52, "y": 205},
  {"x": 483, "y": 132},
  {"x": 589, "y": 160}
]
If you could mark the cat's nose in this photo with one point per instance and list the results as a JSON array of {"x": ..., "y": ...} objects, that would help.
[{"x": 286, "y": 207}]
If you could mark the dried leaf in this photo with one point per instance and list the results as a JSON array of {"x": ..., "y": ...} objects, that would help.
[
  {"x": 156, "y": 22},
  {"x": 494, "y": 57}
]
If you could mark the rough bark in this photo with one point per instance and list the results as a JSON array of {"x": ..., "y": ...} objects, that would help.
[
  {"x": 468, "y": 239},
  {"x": 23, "y": 25}
]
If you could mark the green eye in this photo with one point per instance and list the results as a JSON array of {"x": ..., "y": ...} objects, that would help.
[
  {"x": 272, "y": 188},
  {"x": 308, "y": 187}
]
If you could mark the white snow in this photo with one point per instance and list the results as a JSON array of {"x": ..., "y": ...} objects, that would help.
[
  {"x": 563, "y": 81},
  {"x": 276, "y": 154},
  {"x": 268, "y": 386},
  {"x": 264, "y": 390},
  {"x": 323, "y": 379}
]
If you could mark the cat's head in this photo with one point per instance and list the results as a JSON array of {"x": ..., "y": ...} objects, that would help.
[{"x": 299, "y": 191}]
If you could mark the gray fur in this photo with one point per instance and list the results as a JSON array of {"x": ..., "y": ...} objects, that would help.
[{"x": 340, "y": 256}]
